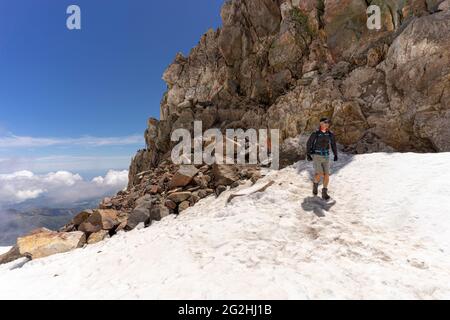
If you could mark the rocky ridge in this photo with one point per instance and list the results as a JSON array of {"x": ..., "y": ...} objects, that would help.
[{"x": 284, "y": 64}]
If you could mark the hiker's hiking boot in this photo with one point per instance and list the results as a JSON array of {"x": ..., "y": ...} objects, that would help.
[
  {"x": 316, "y": 189},
  {"x": 325, "y": 195}
]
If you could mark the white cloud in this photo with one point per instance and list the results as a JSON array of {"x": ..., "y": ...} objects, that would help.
[
  {"x": 62, "y": 178},
  {"x": 58, "y": 188},
  {"x": 13, "y": 141},
  {"x": 23, "y": 195},
  {"x": 112, "y": 178},
  {"x": 17, "y": 175}
]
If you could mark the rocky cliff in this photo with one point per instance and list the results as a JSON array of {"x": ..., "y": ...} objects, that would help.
[{"x": 286, "y": 63}]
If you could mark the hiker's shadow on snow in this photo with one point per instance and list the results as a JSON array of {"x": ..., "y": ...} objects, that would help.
[
  {"x": 318, "y": 206},
  {"x": 315, "y": 204}
]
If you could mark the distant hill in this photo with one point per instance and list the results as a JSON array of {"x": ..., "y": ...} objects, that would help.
[{"x": 16, "y": 222}]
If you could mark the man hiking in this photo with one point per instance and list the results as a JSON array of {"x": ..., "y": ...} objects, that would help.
[{"x": 318, "y": 151}]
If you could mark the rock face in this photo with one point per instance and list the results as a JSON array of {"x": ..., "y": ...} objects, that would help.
[
  {"x": 417, "y": 71},
  {"x": 284, "y": 64}
]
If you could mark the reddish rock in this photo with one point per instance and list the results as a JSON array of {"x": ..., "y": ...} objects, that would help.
[
  {"x": 179, "y": 197},
  {"x": 101, "y": 219},
  {"x": 81, "y": 217},
  {"x": 184, "y": 176},
  {"x": 170, "y": 204}
]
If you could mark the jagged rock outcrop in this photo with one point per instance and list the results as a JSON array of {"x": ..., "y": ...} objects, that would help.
[
  {"x": 417, "y": 71},
  {"x": 285, "y": 63}
]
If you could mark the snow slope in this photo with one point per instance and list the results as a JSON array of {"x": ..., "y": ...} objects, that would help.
[{"x": 386, "y": 237}]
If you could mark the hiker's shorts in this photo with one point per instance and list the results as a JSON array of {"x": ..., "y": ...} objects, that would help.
[{"x": 321, "y": 164}]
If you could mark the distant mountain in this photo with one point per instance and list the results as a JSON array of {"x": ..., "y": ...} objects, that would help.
[{"x": 15, "y": 222}]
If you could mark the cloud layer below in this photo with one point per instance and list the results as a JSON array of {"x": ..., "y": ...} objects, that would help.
[{"x": 58, "y": 188}]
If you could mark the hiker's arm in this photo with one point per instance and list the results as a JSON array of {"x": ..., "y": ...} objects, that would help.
[
  {"x": 309, "y": 145},
  {"x": 334, "y": 146}
]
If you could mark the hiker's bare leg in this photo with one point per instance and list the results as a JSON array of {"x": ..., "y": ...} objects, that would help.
[
  {"x": 317, "y": 178},
  {"x": 326, "y": 181}
]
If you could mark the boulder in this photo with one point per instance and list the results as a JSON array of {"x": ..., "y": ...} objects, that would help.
[
  {"x": 184, "y": 176},
  {"x": 157, "y": 213},
  {"x": 88, "y": 227},
  {"x": 10, "y": 256},
  {"x": 100, "y": 219},
  {"x": 194, "y": 199},
  {"x": 202, "y": 180},
  {"x": 202, "y": 193},
  {"x": 146, "y": 200},
  {"x": 179, "y": 197},
  {"x": 225, "y": 174},
  {"x": 81, "y": 217},
  {"x": 220, "y": 190},
  {"x": 170, "y": 204},
  {"x": 155, "y": 189},
  {"x": 184, "y": 206},
  {"x": 138, "y": 215},
  {"x": 43, "y": 243},
  {"x": 121, "y": 226},
  {"x": 106, "y": 203},
  {"x": 98, "y": 236}
]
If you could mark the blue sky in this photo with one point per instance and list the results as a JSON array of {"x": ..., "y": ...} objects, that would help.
[{"x": 78, "y": 100}]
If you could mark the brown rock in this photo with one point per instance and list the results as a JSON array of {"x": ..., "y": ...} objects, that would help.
[
  {"x": 81, "y": 217},
  {"x": 101, "y": 219},
  {"x": 106, "y": 203},
  {"x": 184, "y": 206},
  {"x": 350, "y": 122},
  {"x": 184, "y": 176},
  {"x": 98, "y": 236},
  {"x": 220, "y": 190},
  {"x": 179, "y": 197},
  {"x": 68, "y": 228},
  {"x": 159, "y": 212},
  {"x": 256, "y": 177},
  {"x": 170, "y": 204},
  {"x": 225, "y": 174},
  {"x": 202, "y": 180},
  {"x": 121, "y": 226},
  {"x": 10, "y": 256},
  {"x": 142, "y": 212},
  {"x": 87, "y": 227},
  {"x": 374, "y": 57},
  {"x": 154, "y": 189},
  {"x": 202, "y": 194},
  {"x": 44, "y": 243},
  {"x": 194, "y": 199},
  {"x": 107, "y": 219}
]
